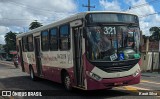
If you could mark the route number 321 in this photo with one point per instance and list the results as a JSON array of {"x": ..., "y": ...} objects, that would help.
[{"x": 109, "y": 30}]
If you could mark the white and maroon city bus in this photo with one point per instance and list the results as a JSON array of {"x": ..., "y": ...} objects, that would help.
[{"x": 89, "y": 50}]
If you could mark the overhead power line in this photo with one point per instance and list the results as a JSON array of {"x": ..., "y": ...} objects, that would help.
[
  {"x": 13, "y": 19},
  {"x": 49, "y": 11},
  {"x": 34, "y": 8},
  {"x": 9, "y": 19},
  {"x": 37, "y": 10},
  {"x": 144, "y": 4},
  {"x": 148, "y": 14},
  {"x": 141, "y": 5}
]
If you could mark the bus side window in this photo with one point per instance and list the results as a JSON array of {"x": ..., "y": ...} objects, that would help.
[
  {"x": 64, "y": 37},
  {"x": 45, "y": 40},
  {"x": 25, "y": 44},
  {"x": 54, "y": 39},
  {"x": 30, "y": 43}
]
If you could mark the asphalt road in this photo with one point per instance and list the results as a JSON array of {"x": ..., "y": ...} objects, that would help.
[{"x": 13, "y": 79}]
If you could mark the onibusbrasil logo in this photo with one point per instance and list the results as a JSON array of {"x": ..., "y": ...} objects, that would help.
[{"x": 21, "y": 93}]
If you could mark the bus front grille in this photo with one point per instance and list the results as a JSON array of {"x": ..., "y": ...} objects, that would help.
[{"x": 116, "y": 68}]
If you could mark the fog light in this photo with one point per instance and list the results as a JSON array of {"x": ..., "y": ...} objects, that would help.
[
  {"x": 95, "y": 76},
  {"x": 136, "y": 73}
]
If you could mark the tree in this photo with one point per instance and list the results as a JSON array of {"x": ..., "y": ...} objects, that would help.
[
  {"x": 10, "y": 39},
  {"x": 155, "y": 33},
  {"x": 35, "y": 24}
]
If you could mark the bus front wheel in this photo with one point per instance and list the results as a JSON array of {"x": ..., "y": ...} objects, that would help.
[{"x": 67, "y": 81}]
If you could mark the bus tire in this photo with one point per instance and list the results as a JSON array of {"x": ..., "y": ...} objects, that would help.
[
  {"x": 32, "y": 75},
  {"x": 67, "y": 81}
]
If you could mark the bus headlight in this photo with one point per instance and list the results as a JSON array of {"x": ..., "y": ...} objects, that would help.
[
  {"x": 95, "y": 76},
  {"x": 136, "y": 73}
]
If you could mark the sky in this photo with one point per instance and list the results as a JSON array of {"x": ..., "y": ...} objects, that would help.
[{"x": 16, "y": 15}]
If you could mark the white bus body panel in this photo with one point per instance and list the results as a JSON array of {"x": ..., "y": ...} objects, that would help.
[
  {"x": 104, "y": 74},
  {"x": 60, "y": 59}
]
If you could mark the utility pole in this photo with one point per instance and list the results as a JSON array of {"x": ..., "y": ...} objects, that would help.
[
  {"x": 159, "y": 57},
  {"x": 88, "y": 6},
  {"x": 159, "y": 52}
]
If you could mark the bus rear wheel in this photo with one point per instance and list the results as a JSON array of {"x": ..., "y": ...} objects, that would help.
[
  {"x": 32, "y": 75},
  {"x": 67, "y": 82}
]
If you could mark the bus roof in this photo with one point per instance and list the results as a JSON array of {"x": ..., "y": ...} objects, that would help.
[{"x": 65, "y": 20}]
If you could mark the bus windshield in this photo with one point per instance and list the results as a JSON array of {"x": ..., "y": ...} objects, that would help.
[{"x": 112, "y": 43}]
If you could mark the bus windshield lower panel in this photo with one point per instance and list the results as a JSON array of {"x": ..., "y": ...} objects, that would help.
[{"x": 113, "y": 43}]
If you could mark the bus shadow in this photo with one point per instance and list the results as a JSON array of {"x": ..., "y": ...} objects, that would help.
[
  {"x": 99, "y": 93},
  {"x": 49, "y": 88},
  {"x": 25, "y": 83}
]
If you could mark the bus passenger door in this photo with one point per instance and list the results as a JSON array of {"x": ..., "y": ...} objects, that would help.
[
  {"x": 38, "y": 55},
  {"x": 21, "y": 56},
  {"x": 78, "y": 68}
]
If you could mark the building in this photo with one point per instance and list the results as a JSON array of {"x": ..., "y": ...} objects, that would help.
[
  {"x": 147, "y": 45},
  {"x": 149, "y": 54}
]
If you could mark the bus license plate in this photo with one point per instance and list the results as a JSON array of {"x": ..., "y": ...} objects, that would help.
[{"x": 119, "y": 83}]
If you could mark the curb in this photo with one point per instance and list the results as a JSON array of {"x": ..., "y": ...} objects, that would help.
[
  {"x": 147, "y": 75},
  {"x": 7, "y": 63},
  {"x": 150, "y": 75}
]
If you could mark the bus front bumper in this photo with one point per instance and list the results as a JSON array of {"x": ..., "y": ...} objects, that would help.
[{"x": 108, "y": 83}]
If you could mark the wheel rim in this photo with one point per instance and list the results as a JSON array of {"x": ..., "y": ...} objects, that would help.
[{"x": 67, "y": 82}]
